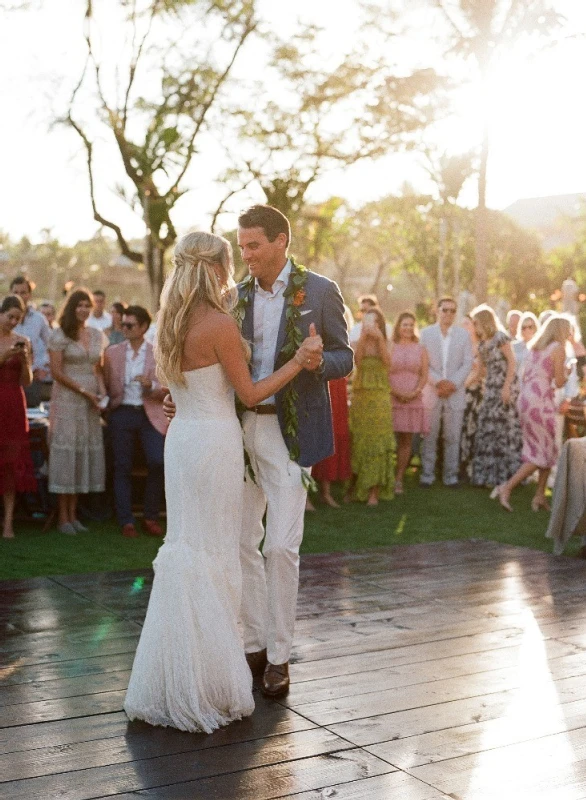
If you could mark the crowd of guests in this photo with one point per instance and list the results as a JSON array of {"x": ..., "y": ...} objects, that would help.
[
  {"x": 491, "y": 400},
  {"x": 488, "y": 401},
  {"x": 96, "y": 370}
]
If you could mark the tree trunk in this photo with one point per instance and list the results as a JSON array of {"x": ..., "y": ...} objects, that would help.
[
  {"x": 443, "y": 241},
  {"x": 481, "y": 244},
  {"x": 457, "y": 257}
]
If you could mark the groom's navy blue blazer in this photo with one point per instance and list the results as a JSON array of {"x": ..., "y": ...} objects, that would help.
[{"x": 324, "y": 307}]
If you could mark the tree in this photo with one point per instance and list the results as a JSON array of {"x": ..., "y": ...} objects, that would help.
[
  {"x": 481, "y": 31},
  {"x": 323, "y": 116},
  {"x": 154, "y": 103},
  {"x": 449, "y": 173}
]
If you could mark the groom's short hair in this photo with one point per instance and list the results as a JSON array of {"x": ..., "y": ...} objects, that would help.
[{"x": 270, "y": 219}]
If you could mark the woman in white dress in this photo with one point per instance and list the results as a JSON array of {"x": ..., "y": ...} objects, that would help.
[{"x": 190, "y": 671}]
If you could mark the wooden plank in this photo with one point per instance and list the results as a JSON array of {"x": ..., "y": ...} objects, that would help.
[
  {"x": 372, "y": 680},
  {"x": 397, "y": 785},
  {"x": 269, "y": 719},
  {"x": 447, "y": 715},
  {"x": 518, "y": 725},
  {"x": 138, "y": 773},
  {"x": 280, "y": 780},
  {"x": 368, "y": 704},
  {"x": 68, "y": 651},
  {"x": 419, "y": 654},
  {"x": 137, "y": 740},
  {"x": 63, "y": 689},
  {"x": 548, "y": 768},
  {"x": 33, "y": 713},
  {"x": 92, "y": 665}
]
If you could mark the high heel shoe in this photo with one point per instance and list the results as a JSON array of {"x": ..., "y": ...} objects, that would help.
[
  {"x": 497, "y": 493},
  {"x": 539, "y": 502}
]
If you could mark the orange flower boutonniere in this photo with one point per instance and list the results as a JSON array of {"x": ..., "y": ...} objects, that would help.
[{"x": 299, "y": 297}]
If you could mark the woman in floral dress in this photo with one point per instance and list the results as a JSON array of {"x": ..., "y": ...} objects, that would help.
[
  {"x": 497, "y": 444},
  {"x": 544, "y": 369},
  {"x": 371, "y": 419},
  {"x": 474, "y": 389}
]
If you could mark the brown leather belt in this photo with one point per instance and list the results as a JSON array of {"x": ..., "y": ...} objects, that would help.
[{"x": 267, "y": 408}]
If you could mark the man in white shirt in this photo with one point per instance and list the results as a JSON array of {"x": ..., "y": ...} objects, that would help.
[
  {"x": 449, "y": 348},
  {"x": 36, "y": 328},
  {"x": 100, "y": 318}
]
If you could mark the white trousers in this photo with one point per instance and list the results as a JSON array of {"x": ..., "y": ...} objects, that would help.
[
  {"x": 452, "y": 419},
  {"x": 270, "y": 579}
]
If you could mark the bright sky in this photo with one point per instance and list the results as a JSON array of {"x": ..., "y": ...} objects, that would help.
[{"x": 538, "y": 120}]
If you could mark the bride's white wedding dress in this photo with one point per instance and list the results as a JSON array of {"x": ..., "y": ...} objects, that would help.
[{"x": 190, "y": 671}]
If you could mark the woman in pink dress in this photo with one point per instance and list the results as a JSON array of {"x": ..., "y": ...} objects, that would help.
[
  {"x": 407, "y": 376},
  {"x": 544, "y": 369}
]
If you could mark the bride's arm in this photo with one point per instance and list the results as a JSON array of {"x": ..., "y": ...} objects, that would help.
[{"x": 228, "y": 348}]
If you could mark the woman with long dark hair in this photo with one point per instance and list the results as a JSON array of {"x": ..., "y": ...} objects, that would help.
[
  {"x": 76, "y": 462},
  {"x": 16, "y": 466}
]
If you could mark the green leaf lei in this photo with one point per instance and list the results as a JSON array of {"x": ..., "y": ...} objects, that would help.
[{"x": 294, "y": 298}]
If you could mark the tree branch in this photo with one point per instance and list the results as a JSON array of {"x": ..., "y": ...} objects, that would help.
[{"x": 124, "y": 246}]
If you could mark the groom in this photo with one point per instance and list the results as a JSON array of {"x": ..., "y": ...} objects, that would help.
[
  {"x": 286, "y": 434},
  {"x": 282, "y": 435}
]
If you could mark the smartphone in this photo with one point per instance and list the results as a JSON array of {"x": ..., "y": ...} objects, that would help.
[{"x": 369, "y": 321}]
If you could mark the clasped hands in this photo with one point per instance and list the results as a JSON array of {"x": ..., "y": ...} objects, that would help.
[
  {"x": 445, "y": 388},
  {"x": 310, "y": 353}
]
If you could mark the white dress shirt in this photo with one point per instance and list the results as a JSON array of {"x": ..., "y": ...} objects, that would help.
[
  {"x": 100, "y": 323},
  {"x": 268, "y": 309},
  {"x": 135, "y": 366},
  {"x": 35, "y": 326},
  {"x": 445, "y": 351}
]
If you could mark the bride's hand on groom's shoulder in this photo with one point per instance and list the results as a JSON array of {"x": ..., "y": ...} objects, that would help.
[{"x": 169, "y": 407}]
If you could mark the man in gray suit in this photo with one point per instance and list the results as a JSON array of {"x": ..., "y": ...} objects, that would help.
[{"x": 450, "y": 361}]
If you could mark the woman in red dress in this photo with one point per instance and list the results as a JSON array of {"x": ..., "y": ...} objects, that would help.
[
  {"x": 16, "y": 466},
  {"x": 337, "y": 466}
]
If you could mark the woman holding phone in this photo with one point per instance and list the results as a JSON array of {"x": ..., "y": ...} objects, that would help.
[
  {"x": 371, "y": 416},
  {"x": 16, "y": 466}
]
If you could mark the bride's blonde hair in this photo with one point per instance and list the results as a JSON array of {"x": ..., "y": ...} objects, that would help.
[{"x": 194, "y": 279}]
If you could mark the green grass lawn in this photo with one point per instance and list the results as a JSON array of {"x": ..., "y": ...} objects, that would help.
[{"x": 420, "y": 515}]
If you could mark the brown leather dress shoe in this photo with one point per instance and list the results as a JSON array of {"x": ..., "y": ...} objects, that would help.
[
  {"x": 152, "y": 527},
  {"x": 275, "y": 681},
  {"x": 257, "y": 662},
  {"x": 129, "y": 531}
]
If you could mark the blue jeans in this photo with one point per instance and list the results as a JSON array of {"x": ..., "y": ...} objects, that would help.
[{"x": 125, "y": 423}]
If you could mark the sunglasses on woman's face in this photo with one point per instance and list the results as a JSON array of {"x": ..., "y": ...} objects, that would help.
[{"x": 128, "y": 325}]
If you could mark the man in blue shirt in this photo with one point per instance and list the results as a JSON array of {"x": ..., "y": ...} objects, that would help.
[{"x": 35, "y": 327}]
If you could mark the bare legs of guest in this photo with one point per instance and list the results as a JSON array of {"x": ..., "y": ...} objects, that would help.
[
  {"x": 7, "y": 529},
  {"x": 67, "y": 521},
  {"x": 404, "y": 444},
  {"x": 503, "y": 492}
]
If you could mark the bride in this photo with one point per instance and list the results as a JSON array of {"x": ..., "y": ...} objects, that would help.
[{"x": 190, "y": 671}]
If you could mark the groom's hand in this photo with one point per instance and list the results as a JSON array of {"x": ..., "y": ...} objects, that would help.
[
  {"x": 169, "y": 407},
  {"x": 311, "y": 350}
]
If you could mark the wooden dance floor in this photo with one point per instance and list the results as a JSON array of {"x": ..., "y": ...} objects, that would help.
[{"x": 452, "y": 670}]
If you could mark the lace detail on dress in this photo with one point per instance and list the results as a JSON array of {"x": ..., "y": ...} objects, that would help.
[{"x": 190, "y": 671}]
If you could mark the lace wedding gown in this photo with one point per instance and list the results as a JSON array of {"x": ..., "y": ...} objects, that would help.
[{"x": 189, "y": 671}]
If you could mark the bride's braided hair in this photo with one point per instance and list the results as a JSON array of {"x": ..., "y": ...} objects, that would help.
[{"x": 192, "y": 281}]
